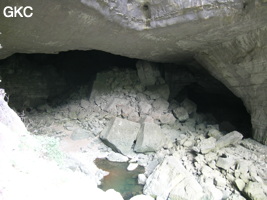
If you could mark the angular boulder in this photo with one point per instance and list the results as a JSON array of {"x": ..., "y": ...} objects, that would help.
[
  {"x": 120, "y": 135},
  {"x": 229, "y": 139},
  {"x": 170, "y": 180},
  {"x": 181, "y": 114},
  {"x": 150, "y": 138},
  {"x": 148, "y": 72}
]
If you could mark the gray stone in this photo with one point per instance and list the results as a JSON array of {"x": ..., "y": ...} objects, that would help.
[
  {"x": 229, "y": 139},
  {"x": 132, "y": 166},
  {"x": 215, "y": 133},
  {"x": 160, "y": 105},
  {"x": 254, "y": 191},
  {"x": 167, "y": 118},
  {"x": 113, "y": 104},
  {"x": 80, "y": 134},
  {"x": 120, "y": 135},
  {"x": 144, "y": 107},
  {"x": 225, "y": 163},
  {"x": 142, "y": 179},
  {"x": 240, "y": 184},
  {"x": 171, "y": 180},
  {"x": 150, "y": 138},
  {"x": 148, "y": 72},
  {"x": 189, "y": 105},
  {"x": 116, "y": 157},
  {"x": 207, "y": 145},
  {"x": 181, "y": 114}
]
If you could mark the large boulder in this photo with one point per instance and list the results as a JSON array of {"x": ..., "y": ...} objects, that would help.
[
  {"x": 170, "y": 180},
  {"x": 148, "y": 72},
  {"x": 150, "y": 138},
  {"x": 120, "y": 135}
]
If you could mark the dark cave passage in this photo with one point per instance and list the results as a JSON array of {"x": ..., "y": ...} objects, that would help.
[{"x": 31, "y": 80}]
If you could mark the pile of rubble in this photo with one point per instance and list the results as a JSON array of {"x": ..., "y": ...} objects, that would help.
[{"x": 184, "y": 154}]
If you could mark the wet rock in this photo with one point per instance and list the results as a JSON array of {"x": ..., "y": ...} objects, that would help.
[
  {"x": 148, "y": 72},
  {"x": 120, "y": 135},
  {"x": 132, "y": 166},
  {"x": 229, "y": 139},
  {"x": 112, "y": 194},
  {"x": 150, "y": 138},
  {"x": 116, "y": 157},
  {"x": 171, "y": 179},
  {"x": 142, "y": 179},
  {"x": 181, "y": 114},
  {"x": 142, "y": 197},
  {"x": 254, "y": 191}
]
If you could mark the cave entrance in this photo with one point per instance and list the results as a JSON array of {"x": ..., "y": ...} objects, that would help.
[{"x": 34, "y": 79}]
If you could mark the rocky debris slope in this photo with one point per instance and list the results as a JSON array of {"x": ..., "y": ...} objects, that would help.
[{"x": 183, "y": 152}]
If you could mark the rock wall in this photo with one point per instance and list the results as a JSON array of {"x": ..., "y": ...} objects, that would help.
[{"x": 241, "y": 65}]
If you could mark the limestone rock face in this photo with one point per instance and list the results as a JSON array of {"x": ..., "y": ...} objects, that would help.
[
  {"x": 227, "y": 37},
  {"x": 241, "y": 65},
  {"x": 120, "y": 134}
]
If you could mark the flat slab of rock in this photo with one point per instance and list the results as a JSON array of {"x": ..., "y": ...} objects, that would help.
[
  {"x": 171, "y": 180},
  {"x": 120, "y": 135},
  {"x": 150, "y": 138},
  {"x": 229, "y": 139}
]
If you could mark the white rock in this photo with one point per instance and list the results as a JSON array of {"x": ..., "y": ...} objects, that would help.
[
  {"x": 142, "y": 197},
  {"x": 132, "y": 166},
  {"x": 228, "y": 139},
  {"x": 142, "y": 179},
  {"x": 189, "y": 105},
  {"x": 116, "y": 157}
]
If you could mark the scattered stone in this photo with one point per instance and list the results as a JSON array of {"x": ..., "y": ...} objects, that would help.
[
  {"x": 240, "y": 184},
  {"x": 116, "y": 157},
  {"x": 181, "y": 114},
  {"x": 134, "y": 117},
  {"x": 229, "y": 139},
  {"x": 112, "y": 194},
  {"x": 80, "y": 134},
  {"x": 148, "y": 72},
  {"x": 142, "y": 179},
  {"x": 132, "y": 166},
  {"x": 171, "y": 179},
  {"x": 114, "y": 103},
  {"x": 142, "y": 197},
  {"x": 207, "y": 145},
  {"x": 160, "y": 105},
  {"x": 189, "y": 105},
  {"x": 220, "y": 182},
  {"x": 150, "y": 138},
  {"x": 120, "y": 135},
  {"x": 85, "y": 104},
  {"x": 254, "y": 191},
  {"x": 225, "y": 163},
  {"x": 144, "y": 107},
  {"x": 167, "y": 118},
  {"x": 215, "y": 133}
]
